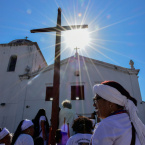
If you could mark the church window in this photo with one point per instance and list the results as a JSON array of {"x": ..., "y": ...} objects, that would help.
[
  {"x": 77, "y": 92},
  {"x": 12, "y": 63},
  {"x": 49, "y": 92}
]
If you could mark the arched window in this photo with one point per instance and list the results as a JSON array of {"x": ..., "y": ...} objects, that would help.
[{"x": 12, "y": 63}]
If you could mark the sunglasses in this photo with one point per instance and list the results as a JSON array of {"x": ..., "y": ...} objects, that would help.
[{"x": 96, "y": 98}]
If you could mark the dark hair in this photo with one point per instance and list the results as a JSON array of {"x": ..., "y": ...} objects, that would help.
[
  {"x": 120, "y": 89},
  {"x": 40, "y": 113},
  {"x": 58, "y": 135},
  {"x": 17, "y": 133},
  {"x": 82, "y": 125},
  {"x": 2, "y": 138},
  {"x": 38, "y": 141}
]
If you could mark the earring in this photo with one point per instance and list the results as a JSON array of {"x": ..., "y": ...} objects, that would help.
[
  {"x": 110, "y": 108},
  {"x": 112, "y": 112}
]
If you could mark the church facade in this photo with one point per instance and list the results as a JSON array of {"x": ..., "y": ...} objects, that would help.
[{"x": 27, "y": 82}]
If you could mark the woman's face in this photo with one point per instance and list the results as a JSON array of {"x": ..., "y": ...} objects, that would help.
[
  {"x": 7, "y": 139},
  {"x": 102, "y": 107},
  {"x": 30, "y": 130}
]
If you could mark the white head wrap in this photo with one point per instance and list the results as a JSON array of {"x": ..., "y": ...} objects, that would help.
[
  {"x": 3, "y": 133},
  {"x": 26, "y": 124},
  {"x": 113, "y": 95}
]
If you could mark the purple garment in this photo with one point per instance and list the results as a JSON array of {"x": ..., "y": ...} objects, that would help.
[{"x": 64, "y": 138}]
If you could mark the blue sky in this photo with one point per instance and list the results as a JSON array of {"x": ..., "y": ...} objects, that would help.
[{"x": 117, "y": 28}]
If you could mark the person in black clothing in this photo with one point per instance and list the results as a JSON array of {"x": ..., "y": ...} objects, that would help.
[
  {"x": 39, "y": 141},
  {"x": 41, "y": 125}
]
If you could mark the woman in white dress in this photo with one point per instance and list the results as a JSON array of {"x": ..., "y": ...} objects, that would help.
[
  {"x": 120, "y": 124},
  {"x": 23, "y": 134}
]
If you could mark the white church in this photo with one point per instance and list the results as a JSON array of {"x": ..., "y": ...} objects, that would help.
[{"x": 26, "y": 82}]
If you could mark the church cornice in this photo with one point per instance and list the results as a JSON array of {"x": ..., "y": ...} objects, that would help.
[
  {"x": 111, "y": 66},
  {"x": 96, "y": 62},
  {"x": 28, "y": 76},
  {"x": 35, "y": 43},
  {"x": 25, "y": 76},
  {"x": 18, "y": 44}
]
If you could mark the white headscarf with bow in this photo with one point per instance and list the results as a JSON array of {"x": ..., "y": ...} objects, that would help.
[
  {"x": 3, "y": 133},
  {"x": 26, "y": 124},
  {"x": 113, "y": 95}
]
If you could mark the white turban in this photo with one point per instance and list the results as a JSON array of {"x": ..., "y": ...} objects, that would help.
[
  {"x": 26, "y": 124},
  {"x": 3, "y": 133},
  {"x": 113, "y": 95}
]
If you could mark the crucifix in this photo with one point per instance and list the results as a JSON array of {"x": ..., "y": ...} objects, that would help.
[
  {"x": 56, "y": 78},
  {"x": 26, "y": 37},
  {"x": 76, "y": 49}
]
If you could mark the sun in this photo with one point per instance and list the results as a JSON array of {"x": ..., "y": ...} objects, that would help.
[{"x": 76, "y": 38}]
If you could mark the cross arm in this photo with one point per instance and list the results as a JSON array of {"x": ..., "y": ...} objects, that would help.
[
  {"x": 72, "y": 27},
  {"x": 59, "y": 28},
  {"x": 51, "y": 29}
]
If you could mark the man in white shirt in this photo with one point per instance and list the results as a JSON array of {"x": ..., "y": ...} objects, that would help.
[{"x": 66, "y": 116}]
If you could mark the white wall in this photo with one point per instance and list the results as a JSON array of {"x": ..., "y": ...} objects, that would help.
[
  {"x": 12, "y": 89},
  {"x": 17, "y": 94},
  {"x": 89, "y": 75}
]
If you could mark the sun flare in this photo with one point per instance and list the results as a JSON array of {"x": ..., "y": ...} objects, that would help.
[{"x": 76, "y": 38}]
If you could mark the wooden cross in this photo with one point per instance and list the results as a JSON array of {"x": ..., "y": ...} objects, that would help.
[{"x": 56, "y": 78}]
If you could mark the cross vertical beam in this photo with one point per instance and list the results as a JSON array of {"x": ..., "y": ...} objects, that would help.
[
  {"x": 56, "y": 82},
  {"x": 56, "y": 78}
]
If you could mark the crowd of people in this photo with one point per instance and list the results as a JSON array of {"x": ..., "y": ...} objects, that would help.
[{"x": 118, "y": 122}]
